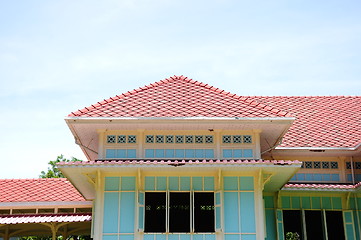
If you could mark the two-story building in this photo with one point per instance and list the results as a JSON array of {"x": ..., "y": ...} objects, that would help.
[{"x": 181, "y": 160}]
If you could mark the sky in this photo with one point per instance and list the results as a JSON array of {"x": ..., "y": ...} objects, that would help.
[{"x": 60, "y": 56}]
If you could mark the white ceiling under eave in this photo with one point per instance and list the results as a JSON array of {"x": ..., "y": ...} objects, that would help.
[
  {"x": 84, "y": 176},
  {"x": 85, "y": 131}
]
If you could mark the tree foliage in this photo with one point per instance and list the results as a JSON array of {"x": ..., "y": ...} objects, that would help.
[
  {"x": 292, "y": 236},
  {"x": 53, "y": 171}
]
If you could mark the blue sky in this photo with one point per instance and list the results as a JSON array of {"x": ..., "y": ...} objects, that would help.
[{"x": 59, "y": 56}]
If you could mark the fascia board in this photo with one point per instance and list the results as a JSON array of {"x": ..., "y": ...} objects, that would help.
[
  {"x": 186, "y": 165},
  {"x": 86, "y": 119}
]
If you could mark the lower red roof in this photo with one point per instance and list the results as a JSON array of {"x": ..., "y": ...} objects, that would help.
[
  {"x": 320, "y": 186},
  {"x": 45, "y": 218},
  {"x": 38, "y": 190}
]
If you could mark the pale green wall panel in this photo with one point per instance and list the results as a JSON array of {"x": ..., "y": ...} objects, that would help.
[
  {"x": 208, "y": 183},
  {"x": 306, "y": 202},
  {"x": 173, "y": 183},
  {"x": 268, "y": 201},
  {"x": 185, "y": 183},
  {"x": 316, "y": 202},
  {"x": 296, "y": 202},
  {"x": 127, "y": 212},
  {"x": 161, "y": 183},
  {"x": 197, "y": 183},
  {"x": 247, "y": 211},
  {"x": 231, "y": 221},
  {"x": 337, "y": 203},
  {"x": 286, "y": 202},
  {"x": 230, "y": 183},
  {"x": 111, "y": 212},
  {"x": 112, "y": 183},
  {"x": 246, "y": 183},
  {"x": 326, "y": 203},
  {"x": 128, "y": 183},
  {"x": 149, "y": 183}
]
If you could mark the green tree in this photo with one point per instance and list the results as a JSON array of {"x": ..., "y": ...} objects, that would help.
[
  {"x": 53, "y": 171},
  {"x": 292, "y": 236}
]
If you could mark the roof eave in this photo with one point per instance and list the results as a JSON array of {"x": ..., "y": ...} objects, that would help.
[
  {"x": 182, "y": 118},
  {"x": 320, "y": 148}
]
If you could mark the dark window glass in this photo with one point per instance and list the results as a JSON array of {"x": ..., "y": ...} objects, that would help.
[
  {"x": 179, "y": 212},
  {"x": 155, "y": 212},
  {"x": 292, "y": 222},
  {"x": 204, "y": 212},
  {"x": 314, "y": 225},
  {"x": 335, "y": 229}
]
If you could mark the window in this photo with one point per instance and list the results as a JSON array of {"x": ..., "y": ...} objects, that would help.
[
  {"x": 314, "y": 223},
  {"x": 155, "y": 212},
  {"x": 177, "y": 213}
]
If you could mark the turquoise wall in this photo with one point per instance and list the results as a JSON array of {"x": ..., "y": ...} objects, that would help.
[
  {"x": 179, "y": 183},
  {"x": 355, "y": 205},
  {"x": 239, "y": 208},
  {"x": 119, "y": 208},
  {"x": 352, "y": 217}
]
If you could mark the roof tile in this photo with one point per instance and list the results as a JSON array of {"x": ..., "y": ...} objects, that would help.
[
  {"x": 182, "y": 92},
  {"x": 38, "y": 190},
  {"x": 333, "y": 121}
]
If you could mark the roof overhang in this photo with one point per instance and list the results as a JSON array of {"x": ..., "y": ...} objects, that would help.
[
  {"x": 46, "y": 218},
  {"x": 314, "y": 187},
  {"x": 84, "y": 175},
  {"x": 86, "y": 130},
  {"x": 319, "y": 151}
]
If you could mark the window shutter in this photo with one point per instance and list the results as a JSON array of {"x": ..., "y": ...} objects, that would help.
[
  {"x": 348, "y": 223},
  {"x": 279, "y": 222},
  {"x": 141, "y": 209},
  {"x": 218, "y": 211}
]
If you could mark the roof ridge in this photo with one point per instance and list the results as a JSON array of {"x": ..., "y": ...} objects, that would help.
[
  {"x": 139, "y": 89},
  {"x": 246, "y": 99}
]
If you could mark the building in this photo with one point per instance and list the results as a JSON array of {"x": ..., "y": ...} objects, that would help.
[
  {"x": 181, "y": 160},
  {"x": 42, "y": 207}
]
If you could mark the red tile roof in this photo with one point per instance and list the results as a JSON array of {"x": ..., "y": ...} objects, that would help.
[
  {"x": 179, "y": 96},
  {"x": 311, "y": 186},
  {"x": 38, "y": 190},
  {"x": 331, "y": 122},
  {"x": 45, "y": 218}
]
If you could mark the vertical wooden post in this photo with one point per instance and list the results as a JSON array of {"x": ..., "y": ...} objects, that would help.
[{"x": 6, "y": 234}]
